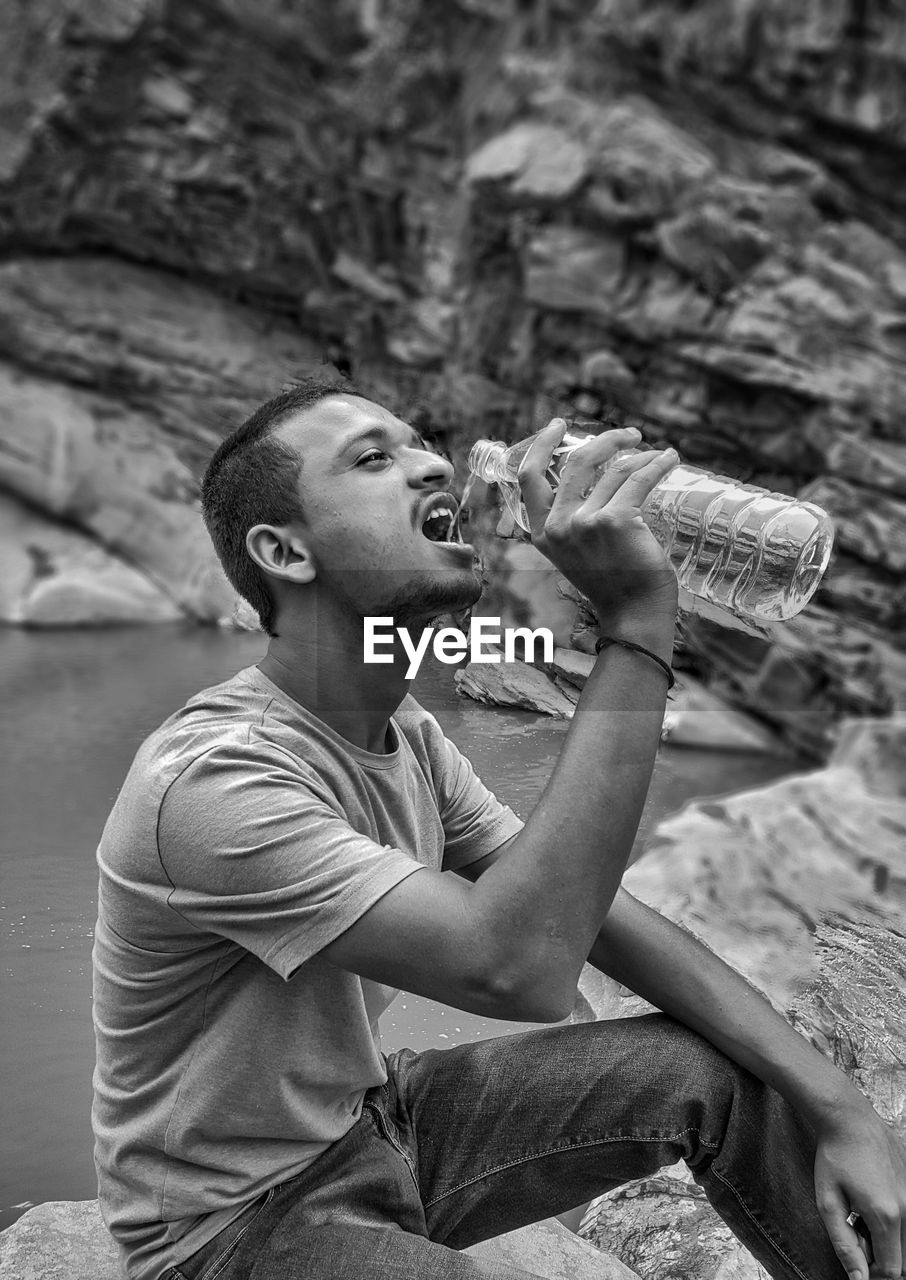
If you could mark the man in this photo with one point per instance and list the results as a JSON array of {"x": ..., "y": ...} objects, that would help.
[{"x": 279, "y": 862}]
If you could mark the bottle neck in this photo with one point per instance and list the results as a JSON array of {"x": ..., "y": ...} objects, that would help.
[{"x": 486, "y": 461}]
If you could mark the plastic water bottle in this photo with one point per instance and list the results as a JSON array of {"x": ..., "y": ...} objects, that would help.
[{"x": 758, "y": 554}]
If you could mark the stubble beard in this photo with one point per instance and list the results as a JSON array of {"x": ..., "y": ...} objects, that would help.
[{"x": 422, "y": 601}]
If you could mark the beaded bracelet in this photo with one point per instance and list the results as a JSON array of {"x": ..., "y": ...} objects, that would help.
[{"x": 628, "y": 644}]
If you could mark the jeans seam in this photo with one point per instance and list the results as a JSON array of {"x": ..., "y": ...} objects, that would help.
[
  {"x": 569, "y": 1146},
  {"x": 383, "y": 1125},
  {"x": 761, "y": 1229},
  {"x": 222, "y": 1259}
]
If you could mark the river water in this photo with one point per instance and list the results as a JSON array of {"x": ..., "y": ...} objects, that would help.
[{"x": 76, "y": 706}]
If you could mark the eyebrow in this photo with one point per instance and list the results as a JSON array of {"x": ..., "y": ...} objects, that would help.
[{"x": 379, "y": 432}]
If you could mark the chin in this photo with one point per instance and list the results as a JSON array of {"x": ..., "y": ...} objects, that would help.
[{"x": 427, "y": 598}]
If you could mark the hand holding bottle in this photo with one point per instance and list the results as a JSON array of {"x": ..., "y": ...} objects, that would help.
[{"x": 592, "y": 529}]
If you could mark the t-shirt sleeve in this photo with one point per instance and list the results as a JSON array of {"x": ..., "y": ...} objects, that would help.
[
  {"x": 474, "y": 821},
  {"x": 257, "y": 852}
]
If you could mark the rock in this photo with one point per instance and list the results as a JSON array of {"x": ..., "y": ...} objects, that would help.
[
  {"x": 754, "y": 874},
  {"x": 75, "y": 456},
  {"x": 876, "y": 751},
  {"x": 854, "y": 1011},
  {"x": 663, "y": 1228},
  {"x": 187, "y": 363},
  {"x": 642, "y": 162},
  {"x": 573, "y": 666},
  {"x": 568, "y": 269},
  {"x": 53, "y": 576},
  {"x": 550, "y": 1251},
  {"x": 60, "y": 1240},
  {"x": 513, "y": 684},
  {"x": 847, "y": 980},
  {"x": 704, "y": 243},
  {"x": 877, "y": 464},
  {"x": 870, "y": 524},
  {"x": 537, "y": 161},
  {"x": 697, "y": 718},
  {"x": 802, "y": 677},
  {"x": 67, "y": 1240}
]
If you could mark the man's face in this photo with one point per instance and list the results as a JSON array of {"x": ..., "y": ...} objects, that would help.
[{"x": 373, "y": 497}]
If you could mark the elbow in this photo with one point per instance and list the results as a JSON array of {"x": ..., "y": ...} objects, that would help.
[{"x": 523, "y": 997}]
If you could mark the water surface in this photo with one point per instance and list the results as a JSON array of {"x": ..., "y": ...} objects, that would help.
[{"x": 76, "y": 706}]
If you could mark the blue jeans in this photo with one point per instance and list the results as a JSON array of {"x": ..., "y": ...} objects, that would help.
[{"x": 466, "y": 1143}]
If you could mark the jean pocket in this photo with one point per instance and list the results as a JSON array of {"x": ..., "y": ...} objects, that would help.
[{"x": 210, "y": 1260}]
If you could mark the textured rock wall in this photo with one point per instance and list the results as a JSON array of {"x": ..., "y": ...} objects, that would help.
[{"x": 490, "y": 212}]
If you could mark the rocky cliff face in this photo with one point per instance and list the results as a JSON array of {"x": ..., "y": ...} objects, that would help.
[{"x": 490, "y": 212}]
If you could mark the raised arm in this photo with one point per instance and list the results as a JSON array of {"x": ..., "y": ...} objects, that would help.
[{"x": 513, "y": 944}]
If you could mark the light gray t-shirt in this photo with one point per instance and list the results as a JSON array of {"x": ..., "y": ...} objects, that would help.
[{"x": 246, "y": 837}]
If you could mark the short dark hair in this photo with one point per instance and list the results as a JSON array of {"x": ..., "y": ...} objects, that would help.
[{"x": 252, "y": 479}]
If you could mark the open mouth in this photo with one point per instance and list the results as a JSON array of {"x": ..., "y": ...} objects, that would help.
[{"x": 441, "y": 524}]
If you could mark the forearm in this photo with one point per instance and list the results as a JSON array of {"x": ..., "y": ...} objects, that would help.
[
  {"x": 544, "y": 909},
  {"x": 678, "y": 974}
]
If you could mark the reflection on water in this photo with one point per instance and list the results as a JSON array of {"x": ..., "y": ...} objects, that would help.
[{"x": 76, "y": 706}]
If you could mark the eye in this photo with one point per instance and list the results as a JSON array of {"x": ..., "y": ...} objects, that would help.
[{"x": 371, "y": 455}]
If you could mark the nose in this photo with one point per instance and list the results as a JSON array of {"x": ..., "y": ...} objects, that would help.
[{"x": 429, "y": 470}]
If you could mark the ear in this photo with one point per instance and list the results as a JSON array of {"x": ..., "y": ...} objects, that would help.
[{"x": 281, "y": 552}]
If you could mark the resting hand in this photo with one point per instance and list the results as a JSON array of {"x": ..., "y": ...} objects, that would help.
[{"x": 861, "y": 1168}]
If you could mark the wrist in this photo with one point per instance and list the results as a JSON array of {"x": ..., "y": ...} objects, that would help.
[
  {"x": 652, "y": 628},
  {"x": 836, "y": 1105}
]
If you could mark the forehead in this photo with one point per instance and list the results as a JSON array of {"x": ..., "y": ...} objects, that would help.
[{"x": 321, "y": 430}]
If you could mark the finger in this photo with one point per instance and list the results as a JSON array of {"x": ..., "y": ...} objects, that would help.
[
  {"x": 537, "y": 495},
  {"x": 834, "y": 1210},
  {"x": 627, "y": 483},
  {"x": 885, "y": 1241},
  {"x": 582, "y": 465}
]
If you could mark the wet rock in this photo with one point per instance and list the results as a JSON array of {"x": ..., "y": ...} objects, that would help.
[{"x": 513, "y": 684}]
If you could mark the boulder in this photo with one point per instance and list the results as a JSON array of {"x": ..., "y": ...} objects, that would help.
[
  {"x": 52, "y": 575},
  {"x": 663, "y": 1228},
  {"x": 841, "y": 985},
  {"x": 78, "y": 457},
  {"x": 513, "y": 684},
  {"x": 550, "y": 1251},
  {"x": 60, "y": 1240},
  {"x": 855, "y": 1013},
  {"x": 754, "y": 874}
]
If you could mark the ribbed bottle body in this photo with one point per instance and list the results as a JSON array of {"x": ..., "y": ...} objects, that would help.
[{"x": 759, "y": 554}]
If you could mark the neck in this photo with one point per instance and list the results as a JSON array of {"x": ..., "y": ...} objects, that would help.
[{"x": 322, "y": 667}]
